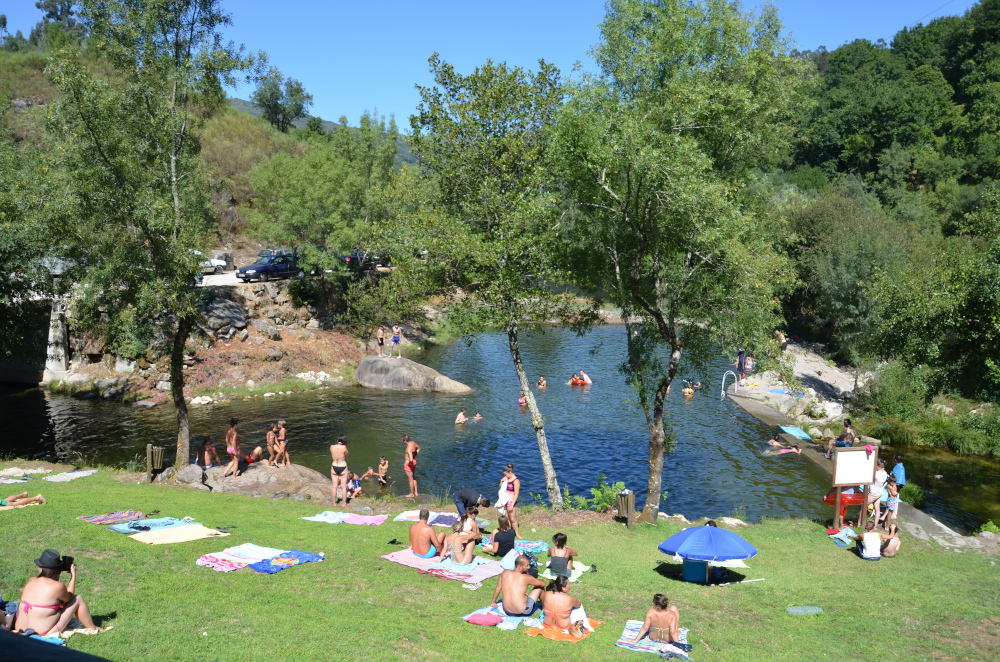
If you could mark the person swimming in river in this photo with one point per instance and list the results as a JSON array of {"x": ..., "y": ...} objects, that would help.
[
  {"x": 477, "y": 417},
  {"x": 541, "y": 383},
  {"x": 461, "y": 418},
  {"x": 688, "y": 389},
  {"x": 522, "y": 400}
]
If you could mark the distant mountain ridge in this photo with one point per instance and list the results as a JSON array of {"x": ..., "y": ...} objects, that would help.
[{"x": 403, "y": 154}]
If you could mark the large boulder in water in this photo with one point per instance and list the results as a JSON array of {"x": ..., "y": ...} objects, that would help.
[
  {"x": 260, "y": 479},
  {"x": 404, "y": 375}
]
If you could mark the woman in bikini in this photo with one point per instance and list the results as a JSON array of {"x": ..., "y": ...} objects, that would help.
[
  {"x": 522, "y": 400},
  {"x": 513, "y": 492},
  {"x": 561, "y": 555},
  {"x": 272, "y": 444},
  {"x": 459, "y": 544},
  {"x": 338, "y": 467},
  {"x": 233, "y": 448},
  {"x": 661, "y": 623},
  {"x": 558, "y": 604},
  {"x": 47, "y": 605},
  {"x": 283, "y": 445}
]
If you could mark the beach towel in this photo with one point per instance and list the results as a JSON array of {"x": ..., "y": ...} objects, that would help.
[
  {"x": 556, "y": 634},
  {"x": 10, "y": 481},
  {"x": 18, "y": 471},
  {"x": 76, "y": 627},
  {"x": 177, "y": 534},
  {"x": 156, "y": 524},
  {"x": 645, "y": 645},
  {"x": 574, "y": 576},
  {"x": 220, "y": 562},
  {"x": 783, "y": 391},
  {"x": 334, "y": 517},
  {"x": 58, "y": 641},
  {"x": 69, "y": 475},
  {"x": 506, "y": 622},
  {"x": 409, "y": 559},
  {"x": 25, "y": 505},
  {"x": 436, "y": 519},
  {"x": 478, "y": 571},
  {"x": 844, "y": 538},
  {"x": 238, "y": 557},
  {"x": 798, "y": 433},
  {"x": 116, "y": 517},
  {"x": 285, "y": 560}
]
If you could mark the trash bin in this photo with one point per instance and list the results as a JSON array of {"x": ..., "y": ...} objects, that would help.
[
  {"x": 626, "y": 506},
  {"x": 154, "y": 460}
]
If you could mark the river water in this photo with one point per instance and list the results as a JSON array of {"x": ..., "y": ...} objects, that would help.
[{"x": 719, "y": 466}]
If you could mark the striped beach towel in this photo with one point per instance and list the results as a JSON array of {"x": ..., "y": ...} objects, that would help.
[
  {"x": 645, "y": 645},
  {"x": 116, "y": 517}
]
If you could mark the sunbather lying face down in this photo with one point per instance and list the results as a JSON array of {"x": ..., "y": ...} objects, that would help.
[
  {"x": 424, "y": 541},
  {"x": 558, "y": 603},
  {"x": 513, "y": 584}
]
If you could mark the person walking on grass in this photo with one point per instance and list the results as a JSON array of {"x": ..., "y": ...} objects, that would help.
[
  {"x": 410, "y": 465},
  {"x": 338, "y": 467},
  {"x": 397, "y": 341}
]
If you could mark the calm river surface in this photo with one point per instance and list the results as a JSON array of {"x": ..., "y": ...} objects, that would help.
[{"x": 718, "y": 466}]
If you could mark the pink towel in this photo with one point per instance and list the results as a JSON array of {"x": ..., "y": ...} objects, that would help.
[
  {"x": 480, "y": 573},
  {"x": 408, "y": 558},
  {"x": 366, "y": 520},
  {"x": 220, "y": 565}
]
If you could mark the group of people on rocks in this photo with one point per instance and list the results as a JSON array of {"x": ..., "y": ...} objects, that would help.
[{"x": 276, "y": 442}]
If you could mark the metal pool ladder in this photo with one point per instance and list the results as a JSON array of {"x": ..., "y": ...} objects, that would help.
[{"x": 736, "y": 383}]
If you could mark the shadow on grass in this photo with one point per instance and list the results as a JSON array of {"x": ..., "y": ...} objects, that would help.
[
  {"x": 673, "y": 571},
  {"x": 99, "y": 621}
]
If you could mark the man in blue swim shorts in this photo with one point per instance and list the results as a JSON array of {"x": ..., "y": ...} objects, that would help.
[{"x": 424, "y": 542}]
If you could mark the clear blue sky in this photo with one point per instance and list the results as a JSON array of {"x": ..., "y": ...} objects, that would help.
[{"x": 354, "y": 56}]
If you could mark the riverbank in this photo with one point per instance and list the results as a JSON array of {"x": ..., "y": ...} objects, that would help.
[{"x": 357, "y": 605}]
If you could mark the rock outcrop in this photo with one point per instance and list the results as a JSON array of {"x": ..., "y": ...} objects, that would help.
[
  {"x": 258, "y": 479},
  {"x": 404, "y": 375}
]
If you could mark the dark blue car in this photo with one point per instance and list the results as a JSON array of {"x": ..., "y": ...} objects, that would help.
[{"x": 269, "y": 268}]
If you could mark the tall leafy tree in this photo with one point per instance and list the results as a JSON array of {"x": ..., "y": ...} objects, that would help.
[
  {"x": 62, "y": 13},
  {"x": 658, "y": 151},
  {"x": 484, "y": 137},
  {"x": 282, "y": 100},
  {"x": 139, "y": 198}
]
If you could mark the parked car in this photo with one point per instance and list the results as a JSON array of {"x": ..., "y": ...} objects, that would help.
[
  {"x": 210, "y": 264},
  {"x": 274, "y": 252},
  {"x": 269, "y": 268},
  {"x": 367, "y": 260}
]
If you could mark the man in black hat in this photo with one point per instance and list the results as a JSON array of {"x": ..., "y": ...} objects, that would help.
[{"x": 47, "y": 605}]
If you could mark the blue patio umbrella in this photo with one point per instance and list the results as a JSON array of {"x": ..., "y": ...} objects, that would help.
[{"x": 708, "y": 543}]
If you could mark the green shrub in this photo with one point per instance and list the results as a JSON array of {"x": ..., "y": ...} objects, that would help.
[
  {"x": 912, "y": 494},
  {"x": 940, "y": 431},
  {"x": 605, "y": 496},
  {"x": 985, "y": 423},
  {"x": 893, "y": 432},
  {"x": 990, "y": 527},
  {"x": 895, "y": 392},
  {"x": 304, "y": 291}
]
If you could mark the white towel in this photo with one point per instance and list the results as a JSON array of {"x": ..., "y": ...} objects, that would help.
[
  {"x": 579, "y": 614},
  {"x": 503, "y": 498}
]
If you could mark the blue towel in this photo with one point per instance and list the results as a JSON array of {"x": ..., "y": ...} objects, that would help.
[
  {"x": 153, "y": 524},
  {"x": 286, "y": 560},
  {"x": 784, "y": 391},
  {"x": 798, "y": 433},
  {"x": 845, "y": 536},
  {"x": 58, "y": 641}
]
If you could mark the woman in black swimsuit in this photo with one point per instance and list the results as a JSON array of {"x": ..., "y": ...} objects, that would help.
[{"x": 338, "y": 467}]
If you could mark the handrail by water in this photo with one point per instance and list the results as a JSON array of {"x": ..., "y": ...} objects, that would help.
[{"x": 736, "y": 383}]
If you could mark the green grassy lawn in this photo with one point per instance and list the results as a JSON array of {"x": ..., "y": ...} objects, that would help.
[{"x": 927, "y": 604}]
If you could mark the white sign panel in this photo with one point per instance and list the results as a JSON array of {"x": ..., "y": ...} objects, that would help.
[{"x": 854, "y": 466}]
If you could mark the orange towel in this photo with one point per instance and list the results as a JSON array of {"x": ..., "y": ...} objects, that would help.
[{"x": 555, "y": 634}]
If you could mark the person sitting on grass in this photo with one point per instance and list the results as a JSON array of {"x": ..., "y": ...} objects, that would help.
[
  {"x": 513, "y": 584},
  {"x": 872, "y": 545},
  {"x": 207, "y": 457},
  {"x": 47, "y": 605},
  {"x": 459, "y": 545},
  {"x": 558, "y": 604},
  {"x": 503, "y": 539},
  {"x": 354, "y": 486},
  {"x": 845, "y": 440},
  {"x": 423, "y": 539},
  {"x": 562, "y": 556},
  {"x": 662, "y": 624},
  {"x": 22, "y": 499}
]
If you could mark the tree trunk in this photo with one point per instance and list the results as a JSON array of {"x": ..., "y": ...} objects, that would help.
[
  {"x": 657, "y": 441},
  {"x": 184, "y": 326},
  {"x": 551, "y": 482}
]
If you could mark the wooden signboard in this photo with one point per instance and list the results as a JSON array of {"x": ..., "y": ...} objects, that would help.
[{"x": 851, "y": 467}]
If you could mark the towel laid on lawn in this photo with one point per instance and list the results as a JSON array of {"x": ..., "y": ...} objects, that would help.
[
  {"x": 69, "y": 475},
  {"x": 238, "y": 557},
  {"x": 156, "y": 524},
  {"x": 478, "y": 571},
  {"x": 24, "y": 505},
  {"x": 285, "y": 560},
  {"x": 409, "y": 559},
  {"x": 646, "y": 645},
  {"x": 116, "y": 517},
  {"x": 557, "y": 634},
  {"x": 18, "y": 471},
  {"x": 522, "y": 546},
  {"x": 798, "y": 433},
  {"x": 177, "y": 534},
  {"x": 435, "y": 519},
  {"x": 574, "y": 575},
  {"x": 508, "y": 622},
  {"x": 844, "y": 538},
  {"x": 9, "y": 481},
  {"x": 334, "y": 517}
]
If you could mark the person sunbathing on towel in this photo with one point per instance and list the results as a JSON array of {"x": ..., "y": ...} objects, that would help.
[
  {"x": 562, "y": 556},
  {"x": 662, "y": 623},
  {"x": 423, "y": 540},
  {"x": 558, "y": 604},
  {"x": 22, "y": 499},
  {"x": 459, "y": 545},
  {"x": 513, "y": 584},
  {"x": 47, "y": 605}
]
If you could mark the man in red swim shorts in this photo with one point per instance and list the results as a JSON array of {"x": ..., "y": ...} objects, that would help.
[{"x": 410, "y": 464}]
